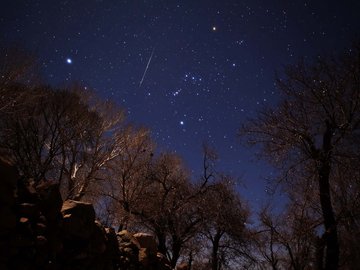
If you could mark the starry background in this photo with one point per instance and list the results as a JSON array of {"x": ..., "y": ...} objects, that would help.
[{"x": 191, "y": 71}]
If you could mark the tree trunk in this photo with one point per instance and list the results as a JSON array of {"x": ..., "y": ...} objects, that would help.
[
  {"x": 330, "y": 235},
  {"x": 319, "y": 253},
  {"x": 162, "y": 243},
  {"x": 215, "y": 251},
  {"x": 190, "y": 261},
  {"x": 176, "y": 247},
  {"x": 71, "y": 189}
]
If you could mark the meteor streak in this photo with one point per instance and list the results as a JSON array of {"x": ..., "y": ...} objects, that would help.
[{"x": 147, "y": 66}]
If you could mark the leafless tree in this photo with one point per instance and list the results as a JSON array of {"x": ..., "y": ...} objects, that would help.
[
  {"x": 95, "y": 138},
  {"x": 225, "y": 223},
  {"x": 129, "y": 174},
  {"x": 311, "y": 130},
  {"x": 62, "y": 136},
  {"x": 19, "y": 76},
  {"x": 288, "y": 240}
]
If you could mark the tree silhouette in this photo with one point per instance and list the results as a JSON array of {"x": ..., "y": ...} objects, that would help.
[
  {"x": 310, "y": 131},
  {"x": 225, "y": 223}
]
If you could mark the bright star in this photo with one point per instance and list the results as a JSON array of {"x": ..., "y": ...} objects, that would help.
[
  {"x": 214, "y": 28},
  {"x": 69, "y": 61},
  {"x": 182, "y": 123}
]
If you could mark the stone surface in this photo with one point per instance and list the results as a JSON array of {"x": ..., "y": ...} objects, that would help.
[
  {"x": 40, "y": 231},
  {"x": 8, "y": 178},
  {"x": 182, "y": 266},
  {"x": 147, "y": 241},
  {"x": 78, "y": 218}
]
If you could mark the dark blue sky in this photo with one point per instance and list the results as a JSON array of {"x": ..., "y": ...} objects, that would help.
[{"x": 192, "y": 71}]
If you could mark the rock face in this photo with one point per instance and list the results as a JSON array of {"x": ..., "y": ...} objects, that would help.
[
  {"x": 147, "y": 251},
  {"x": 183, "y": 266},
  {"x": 147, "y": 241},
  {"x": 139, "y": 251},
  {"x": 40, "y": 231}
]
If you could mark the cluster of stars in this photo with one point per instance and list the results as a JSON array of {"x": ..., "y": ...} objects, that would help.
[
  {"x": 213, "y": 65},
  {"x": 192, "y": 78}
]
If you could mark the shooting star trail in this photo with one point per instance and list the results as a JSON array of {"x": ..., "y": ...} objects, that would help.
[{"x": 147, "y": 66}]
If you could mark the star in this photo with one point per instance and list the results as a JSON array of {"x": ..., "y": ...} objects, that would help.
[{"x": 200, "y": 78}]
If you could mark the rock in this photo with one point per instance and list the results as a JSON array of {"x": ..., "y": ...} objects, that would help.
[
  {"x": 162, "y": 262},
  {"x": 147, "y": 251},
  {"x": 129, "y": 249},
  {"x": 39, "y": 231},
  {"x": 7, "y": 220},
  {"x": 50, "y": 201},
  {"x": 182, "y": 266},
  {"x": 78, "y": 218},
  {"x": 144, "y": 258},
  {"x": 125, "y": 236},
  {"x": 8, "y": 180},
  {"x": 29, "y": 210},
  {"x": 26, "y": 192},
  {"x": 40, "y": 228},
  {"x": 98, "y": 240},
  {"x": 41, "y": 240},
  {"x": 147, "y": 241},
  {"x": 7, "y": 192},
  {"x": 24, "y": 220},
  {"x": 112, "y": 249},
  {"x": 21, "y": 242}
]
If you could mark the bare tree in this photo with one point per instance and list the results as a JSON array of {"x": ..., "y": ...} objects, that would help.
[
  {"x": 156, "y": 191},
  {"x": 95, "y": 138},
  {"x": 310, "y": 130},
  {"x": 225, "y": 223},
  {"x": 19, "y": 76},
  {"x": 34, "y": 133},
  {"x": 63, "y": 136},
  {"x": 129, "y": 174},
  {"x": 169, "y": 207},
  {"x": 288, "y": 240}
]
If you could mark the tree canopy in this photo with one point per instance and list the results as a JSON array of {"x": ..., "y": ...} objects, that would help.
[{"x": 312, "y": 136}]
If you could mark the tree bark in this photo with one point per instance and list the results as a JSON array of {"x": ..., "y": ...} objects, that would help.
[
  {"x": 162, "y": 242},
  {"x": 330, "y": 235},
  {"x": 176, "y": 247},
  {"x": 215, "y": 251}
]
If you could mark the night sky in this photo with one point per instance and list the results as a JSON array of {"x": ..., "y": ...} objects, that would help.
[{"x": 191, "y": 71}]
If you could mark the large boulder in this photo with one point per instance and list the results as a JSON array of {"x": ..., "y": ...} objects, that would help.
[
  {"x": 50, "y": 201},
  {"x": 147, "y": 241},
  {"x": 78, "y": 218},
  {"x": 112, "y": 248},
  {"x": 162, "y": 262},
  {"x": 84, "y": 239},
  {"x": 97, "y": 243},
  {"x": 129, "y": 249},
  {"x": 8, "y": 178},
  {"x": 182, "y": 266},
  {"x": 40, "y": 231},
  {"x": 148, "y": 250},
  {"x": 8, "y": 215}
]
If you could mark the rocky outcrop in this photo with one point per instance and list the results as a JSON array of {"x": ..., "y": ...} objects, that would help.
[
  {"x": 183, "y": 266},
  {"x": 148, "y": 250},
  {"x": 40, "y": 231},
  {"x": 139, "y": 251},
  {"x": 8, "y": 216}
]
